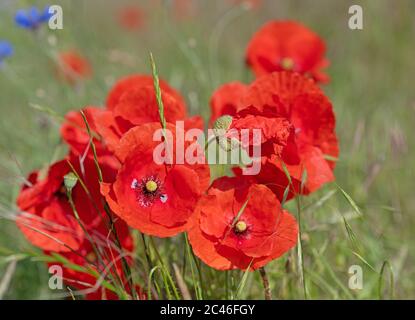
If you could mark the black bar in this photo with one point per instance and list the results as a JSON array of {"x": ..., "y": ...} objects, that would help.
[{"x": 211, "y": 309}]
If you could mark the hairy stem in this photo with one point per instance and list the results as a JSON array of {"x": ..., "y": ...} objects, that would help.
[{"x": 265, "y": 282}]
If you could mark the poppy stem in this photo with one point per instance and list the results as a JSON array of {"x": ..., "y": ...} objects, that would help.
[{"x": 265, "y": 282}]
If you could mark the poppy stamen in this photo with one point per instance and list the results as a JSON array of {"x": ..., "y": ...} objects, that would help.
[
  {"x": 240, "y": 227},
  {"x": 287, "y": 63},
  {"x": 151, "y": 186}
]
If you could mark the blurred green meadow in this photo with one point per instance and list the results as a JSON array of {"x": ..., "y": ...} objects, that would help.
[{"x": 367, "y": 219}]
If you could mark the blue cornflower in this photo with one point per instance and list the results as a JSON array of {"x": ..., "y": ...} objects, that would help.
[
  {"x": 6, "y": 50},
  {"x": 32, "y": 18}
]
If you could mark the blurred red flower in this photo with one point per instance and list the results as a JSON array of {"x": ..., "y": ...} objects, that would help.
[
  {"x": 237, "y": 225},
  {"x": 132, "y": 102},
  {"x": 254, "y": 4},
  {"x": 184, "y": 9},
  {"x": 130, "y": 17},
  {"x": 289, "y": 46},
  {"x": 73, "y": 67},
  {"x": 156, "y": 199},
  {"x": 133, "y": 81},
  {"x": 311, "y": 146}
]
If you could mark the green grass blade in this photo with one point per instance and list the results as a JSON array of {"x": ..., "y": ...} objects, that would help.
[
  {"x": 158, "y": 92},
  {"x": 350, "y": 200},
  {"x": 243, "y": 281},
  {"x": 391, "y": 280}
]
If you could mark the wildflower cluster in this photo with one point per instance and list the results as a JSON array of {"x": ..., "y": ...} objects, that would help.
[{"x": 84, "y": 210}]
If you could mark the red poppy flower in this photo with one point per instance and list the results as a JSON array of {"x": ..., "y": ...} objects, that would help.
[
  {"x": 239, "y": 225},
  {"x": 51, "y": 228},
  {"x": 155, "y": 198},
  {"x": 47, "y": 219},
  {"x": 134, "y": 81},
  {"x": 73, "y": 66},
  {"x": 132, "y": 102},
  {"x": 311, "y": 148},
  {"x": 277, "y": 134},
  {"x": 75, "y": 134},
  {"x": 130, "y": 18},
  {"x": 289, "y": 46}
]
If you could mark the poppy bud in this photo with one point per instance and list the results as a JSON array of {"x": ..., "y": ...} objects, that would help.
[
  {"x": 220, "y": 129},
  {"x": 222, "y": 124},
  {"x": 70, "y": 181}
]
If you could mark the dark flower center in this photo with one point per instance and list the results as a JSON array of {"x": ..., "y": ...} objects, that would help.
[{"x": 148, "y": 190}]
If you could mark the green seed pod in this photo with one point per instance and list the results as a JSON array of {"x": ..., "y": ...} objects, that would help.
[
  {"x": 70, "y": 180},
  {"x": 221, "y": 125}
]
